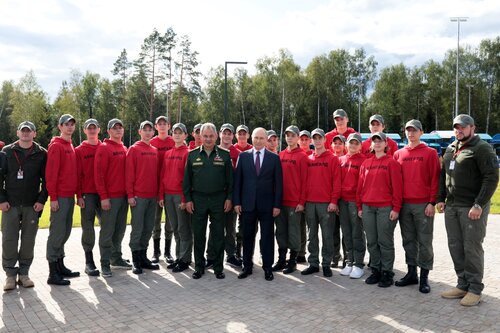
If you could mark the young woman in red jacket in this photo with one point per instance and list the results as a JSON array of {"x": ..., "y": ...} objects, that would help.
[{"x": 379, "y": 199}]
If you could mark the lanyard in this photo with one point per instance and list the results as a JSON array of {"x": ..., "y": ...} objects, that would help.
[
  {"x": 458, "y": 152},
  {"x": 19, "y": 161}
]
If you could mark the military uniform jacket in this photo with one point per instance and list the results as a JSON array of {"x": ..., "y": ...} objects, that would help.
[
  {"x": 29, "y": 188},
  {"x": 469, "y": 174},
  {"x": 208, "y": 174}
]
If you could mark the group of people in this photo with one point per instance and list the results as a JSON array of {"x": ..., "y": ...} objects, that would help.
[{"x": 359, "y": 187}]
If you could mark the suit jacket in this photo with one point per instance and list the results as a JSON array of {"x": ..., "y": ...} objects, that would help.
[{"x": 259, "y": 193}]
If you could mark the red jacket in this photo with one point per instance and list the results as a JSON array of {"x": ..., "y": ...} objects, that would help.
[
  {"x": 172, "y": 172},
  {"x": 142, "y": 171},
  {"x": 248, "y": 147},
  {"x": 85, "y": 156},
  {"x": 61, "y": 171},
  {"x": 109, "y": 169},
  {"x": 192, "y": 145},
  {"x": 333, "y": 133},
  {"x": 349, "y": 167},
  {"x": 421, "y": 169},
  {"x": 294, "y": 166},
  {"x": 392, "y": 147},
  {"x": 162, "y": 146},
  {"x": 323, "y": 178},
  {"x": 380, "y": 183}
]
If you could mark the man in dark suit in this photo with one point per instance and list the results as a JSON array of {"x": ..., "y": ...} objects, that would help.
[{"x": 258, "y": 191}]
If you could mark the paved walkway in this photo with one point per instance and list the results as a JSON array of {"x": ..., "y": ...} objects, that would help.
[{"x": 164, "y": 302}]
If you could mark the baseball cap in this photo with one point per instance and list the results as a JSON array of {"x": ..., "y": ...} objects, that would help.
[
  {"x": 89, "y": 122},
  {"x": 379, "y": 135},
  {"x": 318, "y": 131},
  {"x": 180, "y": 126},
  {"x": 197, "y": 127},
  {"x": 293, "y": 129},
  {"x": 227, "y": 126},
  {"x": 378, "y": 118},
  {"x": 271, "y": 133},
  {"x": 354, "y": 136},
  {"x": 416, "y": 124},
  {"x": 340, "y": 137},
  {"x": 145, "y": 123},
  {"x": 27, "y": 124},
  {"x": 242, "y": 127},
  {"x": 113, "y": 122},
  {"x": 161, "y": 118},
  {"x": 339, "y": 113},
  {"x": 463, "y": 120},
  {"x": 65, "y": 118},
  {"x": 306, "y": 133}
]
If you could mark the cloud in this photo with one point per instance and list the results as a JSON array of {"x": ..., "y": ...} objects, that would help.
[{"x": 54, "y": 36}]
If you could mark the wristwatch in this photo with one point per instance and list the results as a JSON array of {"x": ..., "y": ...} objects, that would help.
[{"x": 477, "y": 206}]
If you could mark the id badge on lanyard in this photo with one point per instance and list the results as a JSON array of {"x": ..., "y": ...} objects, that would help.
[
  {"x": 452, "y": 164},
  {"x": 20, "y": 174}
]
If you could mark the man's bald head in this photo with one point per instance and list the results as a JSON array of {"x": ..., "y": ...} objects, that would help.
[{"x": 259, "y": 138}]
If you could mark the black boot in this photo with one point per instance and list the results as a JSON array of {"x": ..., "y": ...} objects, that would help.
[
  {"x": 374, "y": 277},
  {"x": 55, "y": 276},
  {"x": 66, "y": 272},
  {"x": 292, "y": 263},
  {"x": 281, "y": 263},
  {"x": 90, "y": 268},
  {"x": 424, "y": 287},
  {"x": 136, "y": 263},
  {"x": 156, "y": 251},
  {"x": 386, "y": 280},
  {"x": 168, "y": 257},
  {"x": 146, "y": 263},
  {"x": 410, "y": 278}
]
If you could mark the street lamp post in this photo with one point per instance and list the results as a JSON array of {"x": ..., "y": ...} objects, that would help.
[
  {"x": 360, "y": 85},
  {"x": 470, "y": 86},
  {"x": 457, "y": 19},
  {"x": 225, "y": 85}
]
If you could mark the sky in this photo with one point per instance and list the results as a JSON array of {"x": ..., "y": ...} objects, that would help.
[{"x": 53, "y": 37}]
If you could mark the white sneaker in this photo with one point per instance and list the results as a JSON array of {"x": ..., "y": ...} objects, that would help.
[
  {"x": 346, "y": 271},
  {"x": 357, "y": 273}
]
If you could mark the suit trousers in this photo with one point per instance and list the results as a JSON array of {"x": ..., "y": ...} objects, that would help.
[{"x": 249, "y": 222}]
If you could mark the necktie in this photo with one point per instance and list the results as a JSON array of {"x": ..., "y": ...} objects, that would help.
[{"x": 257, "y": 163}]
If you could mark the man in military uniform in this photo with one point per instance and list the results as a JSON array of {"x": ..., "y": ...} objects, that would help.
[
  {"x": 469, "y": 178},
  {"x": 208, "y": 189}
]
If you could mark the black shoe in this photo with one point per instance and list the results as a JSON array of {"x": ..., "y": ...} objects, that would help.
[
  {"x": 197, "y": 274},
  {"x": 301, "y": 259},
  {"x": 424, "y": 287},
  {"x": 233, "y": 261},
  {"x": 327, "y": 271},
  {"x": 290, "y": 267},
  {"x": 268, "y": 275},
  {"x": 279, "y": 266},
  {"x": 309, "y": 270},
  {"x": 410, "y": 278},
  {"x": 146, "y": 263},
  {"x": 55, "y": 276},
  {"x": 335, "y": 264},
  {"x": 136, "y": 262},
  {"x": 209, "y": 264},
  {"x": 66, "y": 272},
  {"x": 168, "y": 256},
  {"x": 220, "y": 275},
  {"x": 90, "y": 268},
  {"x": 180, "y": 267},
  {"x": 386, "y": 280},
  {"x": 156, "y": 251},
  {"x": 173, "y": 265},
  {"x": 245, "y": 273},
  {"x": 374, "y": 277}
]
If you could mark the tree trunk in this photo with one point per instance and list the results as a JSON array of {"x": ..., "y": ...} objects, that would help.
[
  {"x": 180, "y": 91},
  {"x": 151, "y": 106}
]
